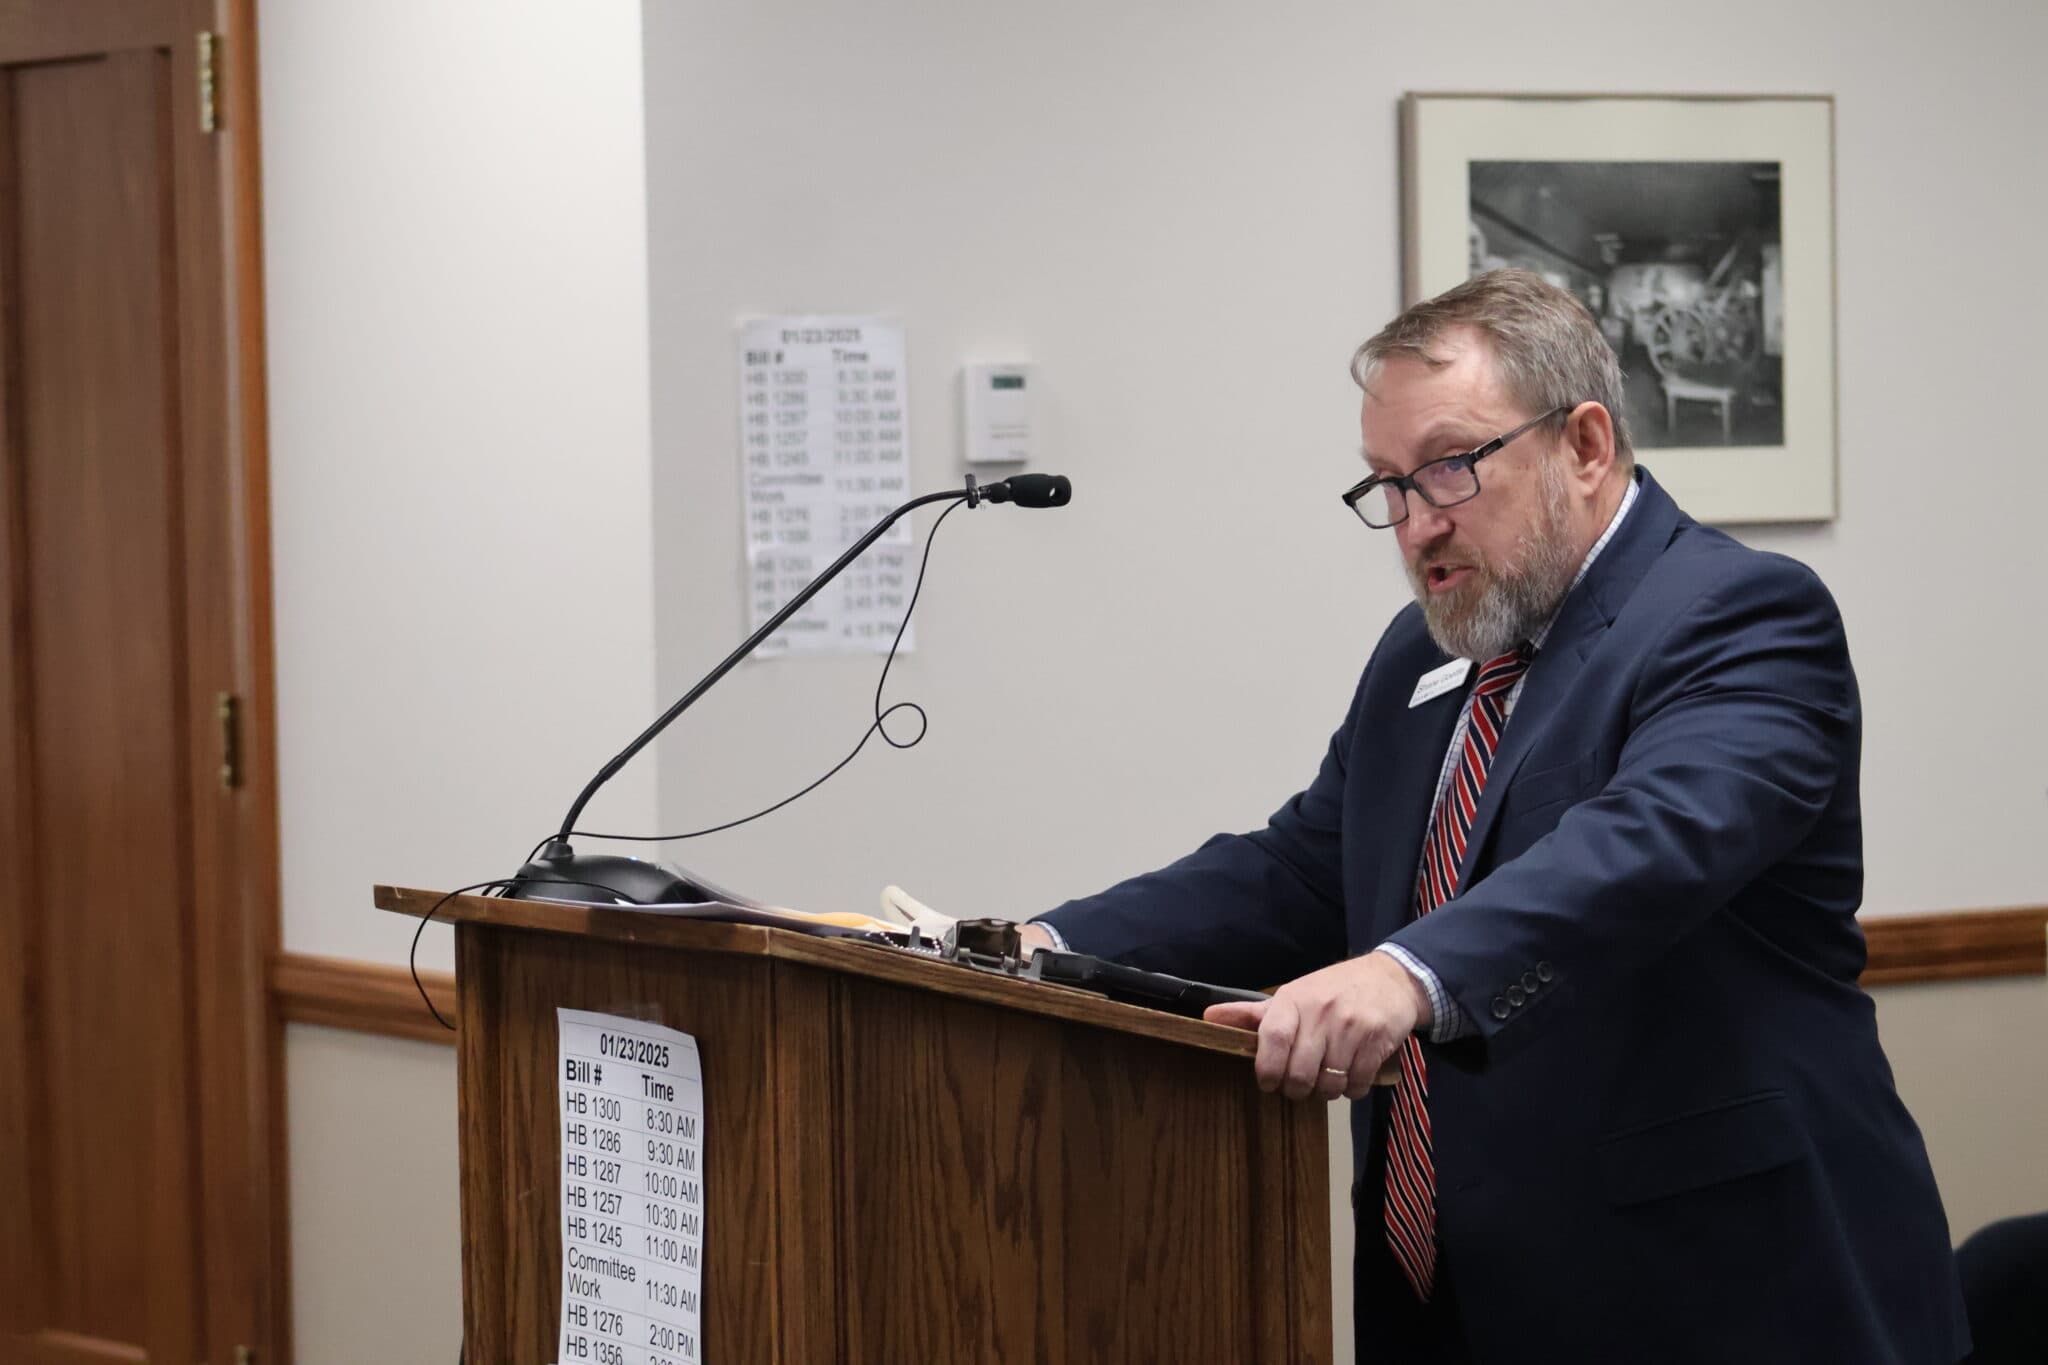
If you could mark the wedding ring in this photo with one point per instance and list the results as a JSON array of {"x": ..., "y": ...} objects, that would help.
[{"x": 1333, "y": 1071}]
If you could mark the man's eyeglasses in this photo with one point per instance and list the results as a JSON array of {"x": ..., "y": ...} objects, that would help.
[{"x": 1382, "y": 499}]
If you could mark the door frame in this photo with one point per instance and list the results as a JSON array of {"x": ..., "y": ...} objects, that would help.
[{"x": 244, "y": 1175}]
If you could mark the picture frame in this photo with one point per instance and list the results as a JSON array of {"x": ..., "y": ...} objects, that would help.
[{"x": 1700, "y": 232}]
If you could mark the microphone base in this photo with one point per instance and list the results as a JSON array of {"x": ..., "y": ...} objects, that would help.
[{"x": 603, "y": 879}]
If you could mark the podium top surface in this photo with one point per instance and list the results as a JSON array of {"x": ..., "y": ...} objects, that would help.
[{"x": 849, "y": 956}]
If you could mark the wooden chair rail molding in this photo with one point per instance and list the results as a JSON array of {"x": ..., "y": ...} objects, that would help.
[
  {"x": 367, "y": 997},
  {"x": 1959, "y": 946},
  {"x": 1963, "y": 945}
]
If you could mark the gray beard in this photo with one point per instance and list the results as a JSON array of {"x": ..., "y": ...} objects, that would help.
[{"x": 1514, "y": 601}]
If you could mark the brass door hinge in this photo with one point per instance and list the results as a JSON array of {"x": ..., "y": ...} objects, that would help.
[
  {"x": 227, "y": 708},
  {"x": 209, "y": 53}
]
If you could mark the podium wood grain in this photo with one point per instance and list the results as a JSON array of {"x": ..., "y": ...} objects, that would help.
[{"x": 904, "y": 1160}]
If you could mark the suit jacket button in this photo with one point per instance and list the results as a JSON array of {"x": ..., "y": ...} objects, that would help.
[
  {"x": 1516, "y": 997},
  {"x": 1543, "y": 972},
  {"x": 1500, "y": 1007},
  {"x": 1529, "y": 982}
]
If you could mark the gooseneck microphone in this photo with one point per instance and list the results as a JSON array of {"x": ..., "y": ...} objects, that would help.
[
  {"x": 585, "y": 877},
  {"x": 1026, "y": 490}
]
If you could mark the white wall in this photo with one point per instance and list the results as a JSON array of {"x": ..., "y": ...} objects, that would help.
[
  {"x": 1188, "y": 216},
  {"x": 454, "y": 201},
  {"x": 454, "y": 227}
]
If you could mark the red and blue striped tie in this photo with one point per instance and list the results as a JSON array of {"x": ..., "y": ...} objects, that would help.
[{"x": 1411, "y": 1169}]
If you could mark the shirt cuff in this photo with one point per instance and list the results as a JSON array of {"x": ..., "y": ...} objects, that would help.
[
  {"x": 1059, "y": 940},
  {"x": 1448, "y": 1021}
]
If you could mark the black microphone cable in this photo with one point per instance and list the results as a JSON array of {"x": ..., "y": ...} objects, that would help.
[
  {"x": 878, "y": 726},
  {"x": 496, "y": 886},
  {"x": 499, "y": 885}
]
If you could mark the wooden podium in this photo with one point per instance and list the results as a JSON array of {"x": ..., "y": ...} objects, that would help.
[{"x": 905, "y": 1160}]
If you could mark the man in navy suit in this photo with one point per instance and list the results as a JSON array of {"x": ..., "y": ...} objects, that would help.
[{"x": 1581, "y": 865}]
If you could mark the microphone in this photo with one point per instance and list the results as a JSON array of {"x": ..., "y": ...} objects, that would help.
[
  {"x": 1027, "y": 490},
  {"x": 586, "y": 877}
]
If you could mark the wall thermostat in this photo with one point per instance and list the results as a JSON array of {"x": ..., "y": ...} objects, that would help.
[{"x": 998, "y": 402}]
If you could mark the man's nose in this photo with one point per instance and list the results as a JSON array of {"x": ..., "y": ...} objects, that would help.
[{"x": 1426, "y": 521}]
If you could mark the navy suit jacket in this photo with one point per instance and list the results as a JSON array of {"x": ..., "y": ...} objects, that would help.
[{"x": 1671, "y": 1134}]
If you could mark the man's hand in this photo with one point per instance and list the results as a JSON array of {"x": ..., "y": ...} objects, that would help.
[
  {"x": 1034, "y": 937},
  {"x": 1329, "y": 1033}
]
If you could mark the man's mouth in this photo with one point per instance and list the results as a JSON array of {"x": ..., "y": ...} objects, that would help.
[{"x": 1443, "y": 577}]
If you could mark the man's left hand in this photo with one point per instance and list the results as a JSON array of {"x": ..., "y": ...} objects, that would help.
[{"x": 1329, "y": 1033}]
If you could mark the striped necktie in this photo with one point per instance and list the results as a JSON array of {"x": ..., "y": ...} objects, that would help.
[{"x": 1411, "y": 1170}]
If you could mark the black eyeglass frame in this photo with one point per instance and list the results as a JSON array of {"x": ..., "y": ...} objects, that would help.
[{"x": 1409, "y": 487}]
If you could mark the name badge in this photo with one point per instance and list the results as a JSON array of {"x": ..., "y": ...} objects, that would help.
[{"x": 1438, "y": 681}]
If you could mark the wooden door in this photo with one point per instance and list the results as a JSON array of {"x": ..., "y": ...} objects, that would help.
[{"x": 137, "y": 1060}]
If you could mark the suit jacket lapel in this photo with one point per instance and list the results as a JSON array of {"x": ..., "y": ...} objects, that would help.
[
  {"x": 1408, "y": 758},
  {"x": 1586, "y": 613}
]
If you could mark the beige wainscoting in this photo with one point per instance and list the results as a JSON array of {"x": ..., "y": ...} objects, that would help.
[{"x": 375, "y": 1229}]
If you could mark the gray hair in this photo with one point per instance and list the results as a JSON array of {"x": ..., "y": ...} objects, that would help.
[{"x": 1545, "y": 342}]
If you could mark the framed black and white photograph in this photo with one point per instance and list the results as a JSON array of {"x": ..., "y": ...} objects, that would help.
[{"x": 1698, "y": 230}]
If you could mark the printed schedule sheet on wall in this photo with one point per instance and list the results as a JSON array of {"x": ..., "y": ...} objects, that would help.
[
  {"x": 632, "y": 1192},
  {"x": 823, "y": 457}
]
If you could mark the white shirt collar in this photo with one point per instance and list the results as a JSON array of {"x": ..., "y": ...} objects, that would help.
[{"x": 1628, "y": 500}]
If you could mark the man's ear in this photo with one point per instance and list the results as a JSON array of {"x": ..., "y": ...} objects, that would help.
[{"x": 1589, "y": 431}]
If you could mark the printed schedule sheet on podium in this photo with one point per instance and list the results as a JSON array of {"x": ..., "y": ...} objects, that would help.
[{"x": 632, "y": 1192}]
